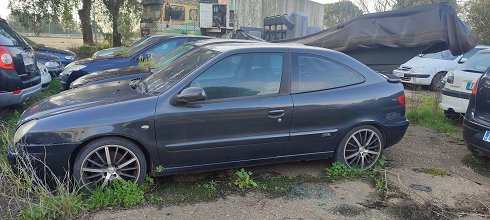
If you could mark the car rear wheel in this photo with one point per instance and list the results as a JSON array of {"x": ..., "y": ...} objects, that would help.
[
  {"x": 361, "y": 147},
  {"x": 437, "y": 84},
  {"x": 108, "y": 159}
]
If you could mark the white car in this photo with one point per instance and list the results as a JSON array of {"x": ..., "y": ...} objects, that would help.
[
  {"x": 430, "y": 69},
  {"x": 460, "y": 82},
  {"x": 45, "y": 76}
]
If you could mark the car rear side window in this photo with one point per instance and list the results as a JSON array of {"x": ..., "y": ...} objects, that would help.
[
  {"x": 314, "y": 73},
  {"x": 8, "y": 37},
  {"x": 242, "y": 75}
]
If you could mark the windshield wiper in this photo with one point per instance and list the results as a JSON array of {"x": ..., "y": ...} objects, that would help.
[{"x": 473, "y": 71}]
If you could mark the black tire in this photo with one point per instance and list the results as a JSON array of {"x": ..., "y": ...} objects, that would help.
[
  {"x": 436, "y": 85},
  {"x": 122, "y": 152},
  {"x": 347, "y": 145},
  {"x": 453, "y": 116}
]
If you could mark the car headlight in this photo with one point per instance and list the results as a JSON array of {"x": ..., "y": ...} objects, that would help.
[
  {"x": 23, "y": 129},
  {"x": 70, "y": 68},
  {"x": 417, "y": 69},
  {"x": 69, "y": 57},
  {"x": 52, "y": 64}
]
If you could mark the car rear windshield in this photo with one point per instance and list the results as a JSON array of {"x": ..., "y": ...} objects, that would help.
[
  {"x": 175, "y": 71},
  {"x": 8, "y": 37},
  {"x": 478, "y": 63}
]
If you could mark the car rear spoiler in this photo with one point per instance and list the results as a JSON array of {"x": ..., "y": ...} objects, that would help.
[{"x": 391, "y": 78}]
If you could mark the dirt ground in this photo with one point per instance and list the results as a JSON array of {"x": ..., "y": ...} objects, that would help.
[
  {"x": 463, "y": 194},
  {"x": 60, "y": 43}
]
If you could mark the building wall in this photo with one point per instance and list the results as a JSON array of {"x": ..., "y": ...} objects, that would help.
[{"x": 252, "y": 12}]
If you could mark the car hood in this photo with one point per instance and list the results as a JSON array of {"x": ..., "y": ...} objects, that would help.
[
  {"x": 112, "y": 73},
  {"x": 55, "y": 50},
  {"x": 41, "y": 56},
  {"x": 83, "y": 98}
]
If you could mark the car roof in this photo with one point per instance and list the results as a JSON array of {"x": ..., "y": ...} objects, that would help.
[
  {"x": 484, "y": 51},
  {"x": 482, "y": 46},
  {"x": 261, "y": 45},
  {"x": 210, "y": 41},
  {"x": 167, "y": 36}
]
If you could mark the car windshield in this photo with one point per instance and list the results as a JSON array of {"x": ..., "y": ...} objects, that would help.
[
  {"x": 478, "y": 63},
  {"x": 8, "y": 37},
  {"x": 171, "y": 74},
  {"x": 31, "y": 43},
  {"x": 151, "y": 12},
  {"x": 173, "y": 55},
  {"x": 443, "y": 55},
  {"x": 134, "y": 49},
  {"x": 472, "y": 52}
]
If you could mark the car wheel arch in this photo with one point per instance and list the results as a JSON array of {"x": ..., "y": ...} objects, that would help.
[
  {"x": 374, "y": 124},
  {"x": 87, "y": 141}
]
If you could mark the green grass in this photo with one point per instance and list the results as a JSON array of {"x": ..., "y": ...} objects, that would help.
[
  {"x": 427, "y": 113},
  {"x": 432, "y": 171}
]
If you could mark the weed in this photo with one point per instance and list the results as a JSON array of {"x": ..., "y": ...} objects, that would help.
[
  {"x": 244, "y": 180},
  {"x": 340, "y": 170},
  {"x": 120, "y": 193},
  {"x": 159, "y": 169},
  {"x": 210, "y": 187},
  {"x": 432, "y": 171}
]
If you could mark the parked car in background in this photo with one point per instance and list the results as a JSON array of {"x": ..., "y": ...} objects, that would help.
[
  {"x": 152, "y": 49},
  {"x": 52, "y": 63},
  {"x": 218, "y": 107},
  {"x": 459, "y": 83},
  {"x": 64, "y": 56},
  {"x": 136, "y": 72},
  {"x": 115, "y": 50},
  {"x": 45, "y": 76},
  {"x": 19, "y": 76},
  {"x": 477, "y": 118},
  {"x": 430, "y": 69}
]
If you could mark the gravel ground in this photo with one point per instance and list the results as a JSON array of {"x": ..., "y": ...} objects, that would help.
[{"x": 464, "y": 194}]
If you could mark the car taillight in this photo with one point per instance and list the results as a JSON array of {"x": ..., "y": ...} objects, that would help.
[
  {"x": 6, "y": 59},
  {"x": 475, "y": 87},
  {"x": 401, "y": 100}
]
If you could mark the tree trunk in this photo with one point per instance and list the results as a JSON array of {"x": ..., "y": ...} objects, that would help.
[
  {"x": 116, "y": 36},
  {"x": 85, "y": 19},
  {"x": 114, "y": 7}
]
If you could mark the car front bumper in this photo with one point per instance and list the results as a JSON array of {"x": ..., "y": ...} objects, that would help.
[
  {"x": 413, "y": 78},
  {"x": 8, "y": 98},
  {"x": 46, "y": 162},
  {"x": 473, "y": 137}
]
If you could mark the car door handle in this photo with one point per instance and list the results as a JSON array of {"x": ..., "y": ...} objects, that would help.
[{"x": 276, "y": 113}]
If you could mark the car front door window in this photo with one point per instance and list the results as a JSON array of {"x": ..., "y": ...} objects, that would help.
[{"x": 242, "y": 75}]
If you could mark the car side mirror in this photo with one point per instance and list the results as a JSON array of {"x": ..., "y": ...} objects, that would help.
[
  {"x": 462, "y": 60},
  {"x": 144, "y": 57},
  {"x": 191, "y": 94}
]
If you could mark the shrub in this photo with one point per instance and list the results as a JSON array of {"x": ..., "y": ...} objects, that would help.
[{"x": 244, "y": 180}]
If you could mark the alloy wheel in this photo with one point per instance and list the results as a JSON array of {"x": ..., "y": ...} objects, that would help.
[
  {"x": 363, "y": 149},
  {"x": 107, "y": 163}
]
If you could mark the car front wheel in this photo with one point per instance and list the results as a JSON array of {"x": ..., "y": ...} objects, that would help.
[
  {"x": 361, "y": 147},
  {"x": 104, "y": 160}
]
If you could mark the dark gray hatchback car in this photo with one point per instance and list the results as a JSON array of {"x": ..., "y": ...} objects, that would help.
[{"x": 217, "y": 107}]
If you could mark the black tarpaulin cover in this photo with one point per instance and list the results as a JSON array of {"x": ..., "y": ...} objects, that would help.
[{"x": 435, "y": 27}]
